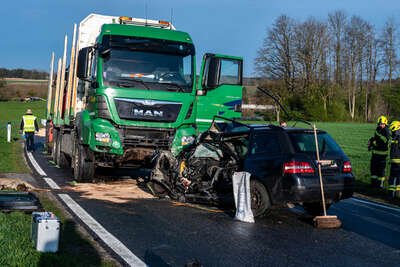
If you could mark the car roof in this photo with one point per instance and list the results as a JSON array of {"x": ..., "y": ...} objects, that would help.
[{"x": 261, "y": 127}]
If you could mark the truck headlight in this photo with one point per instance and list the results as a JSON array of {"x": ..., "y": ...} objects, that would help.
[
  {"x": 103, "y": 137},
  {"x": 186, "y": 140}
]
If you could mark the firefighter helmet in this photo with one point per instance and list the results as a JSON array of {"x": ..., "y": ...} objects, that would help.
[
  {"x": 394, "y": 126},
  {"x": 382, "y": 119}
]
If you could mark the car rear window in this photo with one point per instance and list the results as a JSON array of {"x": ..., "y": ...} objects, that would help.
[{"x": 305, "y": 143}]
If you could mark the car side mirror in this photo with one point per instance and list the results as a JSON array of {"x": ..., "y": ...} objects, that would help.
[{"x": 83, "y": 63}]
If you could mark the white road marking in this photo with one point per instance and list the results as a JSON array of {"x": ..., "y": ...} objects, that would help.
[
  {"x": 36, "y": 165},
  {"x": 48, "y": 180},
  {"x": 51, "y": 183},
  {"x": 375, "y": 204},
  {"x": 107, "y": 237},
  {"x": 111, "y": 241}
]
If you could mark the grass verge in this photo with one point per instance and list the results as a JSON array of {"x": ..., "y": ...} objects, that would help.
[
  {"x": 16, "y": 246},
  {"x": 11, "y": 153}
]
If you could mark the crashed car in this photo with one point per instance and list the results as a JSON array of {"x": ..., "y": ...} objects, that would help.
[{"x": 282, "y": 163}]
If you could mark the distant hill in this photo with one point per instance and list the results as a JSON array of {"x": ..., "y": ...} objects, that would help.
[{"x": 23, "y": 73}]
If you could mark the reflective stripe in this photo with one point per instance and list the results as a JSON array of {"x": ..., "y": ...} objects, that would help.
[
  {"x": 374, "y": 177},
  {"x": 29, "y": 123},
  {"x": 382, "y": 137},
  {"x": 381, "y": 178},
  {"x": 395, "y": 160},
  {"x": 379, "y": 152}
]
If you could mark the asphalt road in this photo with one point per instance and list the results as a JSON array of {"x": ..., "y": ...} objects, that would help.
[{"x": 162, "y": 233}]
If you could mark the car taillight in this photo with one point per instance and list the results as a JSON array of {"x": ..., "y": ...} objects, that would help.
[
  {"x": 293, "y": 167},
  {"x": 346, "y": 167}
]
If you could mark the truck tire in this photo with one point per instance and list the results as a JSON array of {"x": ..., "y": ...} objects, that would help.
[
  {"x": 315, "y": 208},
  {"x": 55, "y": 149},
  {"x": 62, "y": 160},
  {"x": 260, "y": 201},
  {"x": 83, "y": 163}
]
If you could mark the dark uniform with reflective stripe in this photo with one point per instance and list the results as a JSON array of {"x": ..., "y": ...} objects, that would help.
[
  {"x": 394, "y": 179},
  {"x": 379, "y": 144}
]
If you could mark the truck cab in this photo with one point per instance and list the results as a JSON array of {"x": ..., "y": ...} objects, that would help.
[{"x": 138, "y": 92}]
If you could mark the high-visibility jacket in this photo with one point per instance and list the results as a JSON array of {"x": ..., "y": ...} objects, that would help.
[
  {"x": 380, "y": 141},
  {"x": 29, "y": 123}
]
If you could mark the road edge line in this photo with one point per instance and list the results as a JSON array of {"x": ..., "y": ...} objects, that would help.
[
  {"x": 116, "y": 245},
  {"x": 110, "y": 240},
  {"x": 375, "y": 204}
]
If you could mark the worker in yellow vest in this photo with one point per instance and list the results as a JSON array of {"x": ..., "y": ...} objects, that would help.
[{"x": 29, "y": 125}]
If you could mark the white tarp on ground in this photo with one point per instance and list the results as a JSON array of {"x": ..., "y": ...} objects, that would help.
[{"x": 241, "y": 193}]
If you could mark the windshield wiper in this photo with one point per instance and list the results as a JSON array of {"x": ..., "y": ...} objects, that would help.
[
  {"x": 127, "y": 82},
  {"x": 177, "y": 86}
]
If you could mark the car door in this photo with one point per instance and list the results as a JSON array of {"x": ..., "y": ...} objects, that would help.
[
  {"x": 265, "y": 159},
  {"x": 219, "y": 89}
]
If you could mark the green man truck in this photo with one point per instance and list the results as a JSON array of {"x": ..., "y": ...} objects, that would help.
[{"x": 132, "y": 91}]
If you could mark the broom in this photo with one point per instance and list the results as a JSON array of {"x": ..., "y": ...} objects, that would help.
[{"x": 324, "y": 221}]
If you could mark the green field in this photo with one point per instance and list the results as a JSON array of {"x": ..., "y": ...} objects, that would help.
[
  {"x": 11, "y": 153},
  {"x": 353, "y": 138}
]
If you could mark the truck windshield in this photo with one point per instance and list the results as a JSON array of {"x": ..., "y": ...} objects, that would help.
[{"x": 148, "y": 64}]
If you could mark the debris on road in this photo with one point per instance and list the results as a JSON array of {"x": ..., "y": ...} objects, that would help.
[
  {"x": 18, "y": 201},
  {"x": 121, "y": 191},
  {"x": 15, "y": 184}
]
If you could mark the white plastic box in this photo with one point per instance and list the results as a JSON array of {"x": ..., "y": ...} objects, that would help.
[{"x": 45, "y": 231}]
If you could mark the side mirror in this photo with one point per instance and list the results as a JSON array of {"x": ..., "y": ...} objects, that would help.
[
  {"x": 211, "y": 73},
  {"x": 83, "y": 62}
]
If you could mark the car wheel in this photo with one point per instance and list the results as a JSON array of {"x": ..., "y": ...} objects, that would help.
[
  {"x": 84, "y": 168},
  {"x": 260, "y": 201},
  {"x": 315, "y": 208},
  {"x": 157, "y": 189}
]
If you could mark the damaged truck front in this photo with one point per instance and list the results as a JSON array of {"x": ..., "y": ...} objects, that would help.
[{"x": 131, "y": 94}]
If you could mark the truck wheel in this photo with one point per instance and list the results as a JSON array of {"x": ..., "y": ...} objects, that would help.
[
  {"x": 62, "y": 160},
  {"x": 83, "y": 164},
  {"x": 55, "y": 149},
  {"x": 260, "y": 201},
  {"x": 315, "y": 208}
]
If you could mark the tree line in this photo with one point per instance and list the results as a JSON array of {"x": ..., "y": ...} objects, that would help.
[
  {"x": 339, "y": 69},
  {"x": 23, "y": 73}
]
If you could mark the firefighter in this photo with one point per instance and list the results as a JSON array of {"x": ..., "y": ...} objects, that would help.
[
  {"x": 379, "y": 145},
  {"x": 29, "y": 125},
  {"x": 394, "y": 178}
]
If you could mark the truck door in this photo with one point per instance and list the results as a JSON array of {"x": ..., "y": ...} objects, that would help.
[{"x": 219, "y": 89}]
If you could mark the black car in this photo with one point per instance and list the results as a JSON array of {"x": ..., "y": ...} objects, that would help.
[{"x": 282, "y": 163}]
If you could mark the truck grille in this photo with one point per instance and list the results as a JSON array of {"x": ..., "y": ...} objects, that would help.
[
  {"x": 147, "y": 110},
  {"x": 151, "y": 138}
]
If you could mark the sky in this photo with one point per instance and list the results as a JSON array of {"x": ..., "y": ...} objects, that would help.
[{"x": 32, "y": 29}]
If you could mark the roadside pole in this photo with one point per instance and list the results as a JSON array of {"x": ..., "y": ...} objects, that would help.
[{"x": 9, "y": 132}]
